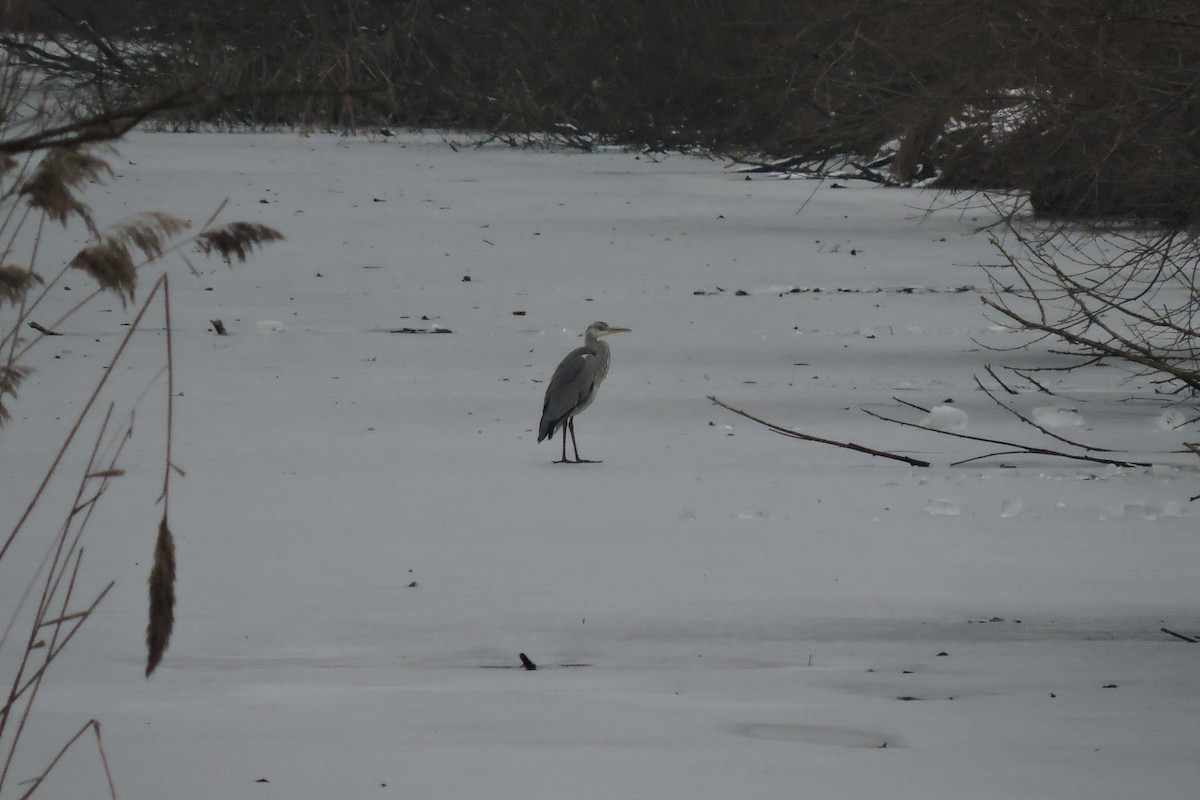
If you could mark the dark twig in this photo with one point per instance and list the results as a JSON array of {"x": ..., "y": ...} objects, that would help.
[
  {"x": 806, "y": 437},
  {"x": 1170, "y": 632},
  {"x": 922, "y": 409},
  {"x": 1025, "y": 374},
  {"x": 996, "y": 378}
]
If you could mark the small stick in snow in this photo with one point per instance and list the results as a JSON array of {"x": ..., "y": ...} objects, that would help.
[
  {"x": 218, "y": 326},
  {"x": 922, "y": 409},
  {"x": 42, "y": 329},
  {"x": 525, "y": 662},
  {"x": 808, "y": 438}
]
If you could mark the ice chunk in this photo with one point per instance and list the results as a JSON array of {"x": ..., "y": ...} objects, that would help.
[
  {"x": 946, "y": 418},
  {"x": 940, "y": 507},
  {"x": 1010, "y": 508},
  {"x": 1057, "y": 417},
  {"x": 1173, "y": 419}
]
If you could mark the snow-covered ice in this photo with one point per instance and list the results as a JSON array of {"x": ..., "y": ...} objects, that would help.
[{"x": 368, "y": 532}]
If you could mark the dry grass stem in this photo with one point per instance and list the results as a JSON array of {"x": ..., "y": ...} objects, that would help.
[{"x": 93, "y": 726}]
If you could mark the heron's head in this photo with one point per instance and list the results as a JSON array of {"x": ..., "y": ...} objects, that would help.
[{"x": 599, "y": 329}]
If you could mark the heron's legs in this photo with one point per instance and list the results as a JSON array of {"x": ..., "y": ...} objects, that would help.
[
  {"x": 569, "y": 426},
  {"x": 563, "y": 436},
  {"x": 578, "y": 460}
]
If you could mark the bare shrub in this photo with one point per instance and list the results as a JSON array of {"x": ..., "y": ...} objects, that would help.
[
  {"x": 1128, "y": 297},
  {"x": 1087, "y": 107}
]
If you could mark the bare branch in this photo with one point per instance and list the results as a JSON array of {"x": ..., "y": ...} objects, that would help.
[{"x": 1043, "y": 429}]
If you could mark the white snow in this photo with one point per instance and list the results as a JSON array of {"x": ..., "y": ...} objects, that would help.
[
  {"x": 713, "y": 615},
  {"x": 269, "y": 326}
]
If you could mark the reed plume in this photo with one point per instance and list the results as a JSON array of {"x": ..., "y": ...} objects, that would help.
[{"x": 162, "y": 598}]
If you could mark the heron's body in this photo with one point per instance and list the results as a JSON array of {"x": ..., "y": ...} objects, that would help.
[{"x": 574, "y": 384}]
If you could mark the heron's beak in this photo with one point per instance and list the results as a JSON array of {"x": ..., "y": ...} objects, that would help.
[{"x": 615, "y": 330}]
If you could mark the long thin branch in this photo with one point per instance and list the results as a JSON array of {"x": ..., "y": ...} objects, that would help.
[
  {"x": 808, "y": 438},
  {"x": 1017, "y": 447}
]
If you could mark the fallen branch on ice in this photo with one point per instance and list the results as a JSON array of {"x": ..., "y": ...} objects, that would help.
[
  {"x": 808, "y": 438},
  {"x": 1170, "y": 632}
]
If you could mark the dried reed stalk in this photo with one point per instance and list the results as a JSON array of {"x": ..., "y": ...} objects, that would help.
[
  {"x": 51, "y": 187},
  {"x": 10, "y": 378},
  {"x": 110, "y": 260},
  {"x": 236, "y": 239},
  {"x": 15, "y": 282}
]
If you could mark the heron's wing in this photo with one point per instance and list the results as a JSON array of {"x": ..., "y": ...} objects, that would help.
[{"x": 570, "y": 386}]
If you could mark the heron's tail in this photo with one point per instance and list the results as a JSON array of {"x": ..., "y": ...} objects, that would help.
[{"x": 547, "y": 426}]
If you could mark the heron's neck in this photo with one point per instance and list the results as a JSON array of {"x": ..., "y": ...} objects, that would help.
[{"x": 595, "y": 343}]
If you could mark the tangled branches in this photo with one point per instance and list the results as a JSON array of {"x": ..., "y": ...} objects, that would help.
[{"x": 1129, "y": 298}]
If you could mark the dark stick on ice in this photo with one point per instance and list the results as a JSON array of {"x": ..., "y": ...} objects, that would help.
[
  {"x": 525, "y": 662},
  {"x": 1170, "y": 632}
]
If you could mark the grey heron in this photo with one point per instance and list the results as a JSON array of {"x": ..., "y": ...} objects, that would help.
[{"x": 573, "y": 387}]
